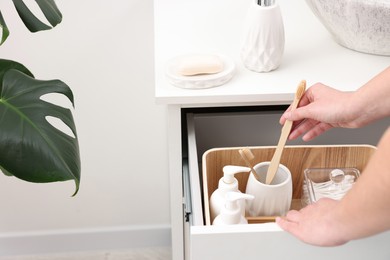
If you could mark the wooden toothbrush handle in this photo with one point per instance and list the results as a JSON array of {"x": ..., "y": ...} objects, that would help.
[{"x": 274, "y": 165}]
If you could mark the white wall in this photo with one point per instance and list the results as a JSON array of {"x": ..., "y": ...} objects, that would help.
[{"x": 104, "y": 51}]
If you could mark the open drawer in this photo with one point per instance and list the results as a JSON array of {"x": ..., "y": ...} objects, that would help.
[
  {"x": 205, "y": 131},
  {"x": 295, "y": 158}
]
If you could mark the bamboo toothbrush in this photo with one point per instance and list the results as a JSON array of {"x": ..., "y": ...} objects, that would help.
[
  {"x": 248, "y": 156},
  {"x": 274, "y": 165}
]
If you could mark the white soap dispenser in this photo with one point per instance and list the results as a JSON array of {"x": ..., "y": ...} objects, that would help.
[
  {"x": 227, "y": 183},
  {"x": 231, "y": 212}
]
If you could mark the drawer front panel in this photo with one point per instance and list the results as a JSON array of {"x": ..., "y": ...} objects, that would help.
[{"x": 207, "y": 243}]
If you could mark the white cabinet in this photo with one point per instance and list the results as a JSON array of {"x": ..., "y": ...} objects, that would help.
[{"x": 245, "y": 111}]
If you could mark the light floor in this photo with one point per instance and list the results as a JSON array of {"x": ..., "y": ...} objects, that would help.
[{"x": 155, "y": 253}]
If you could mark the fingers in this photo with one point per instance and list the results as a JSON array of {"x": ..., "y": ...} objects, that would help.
[
  {"x": 286, "y": 225},
  {"x": 316, "y": 130},
  {"x": 314, "y": 224},
  {"x": 308, "y": 119},
  {"x": 309, "y": 129},
  {"x": 301, "y": 128},
  {"x": 297, "y": 115},
  {"x": 288, "y": 115},
  {"x": 285, "y": 116},
  {"x": 293, "y": 216},
  {"x": 290, "y": 222}
]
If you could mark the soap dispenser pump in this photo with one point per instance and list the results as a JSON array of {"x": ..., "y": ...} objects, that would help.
[
  {"x": 231, "y": 212},
  {"x": 227, "y": 183}
]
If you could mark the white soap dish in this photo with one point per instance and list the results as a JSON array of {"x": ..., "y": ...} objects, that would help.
[{"x": 201, "y": 81}]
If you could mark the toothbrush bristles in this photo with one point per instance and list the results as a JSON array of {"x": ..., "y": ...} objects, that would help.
[
  {"x": 301, "y": 89},
  {"x": 248, "y": 153}
]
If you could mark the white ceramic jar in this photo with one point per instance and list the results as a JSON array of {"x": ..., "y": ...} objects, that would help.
[
  {"x": 272, "y": 199},
  {"x": 263, "y": 37}
]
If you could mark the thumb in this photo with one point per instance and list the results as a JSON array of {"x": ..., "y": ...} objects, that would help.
[{"x": 286, "y": 225}]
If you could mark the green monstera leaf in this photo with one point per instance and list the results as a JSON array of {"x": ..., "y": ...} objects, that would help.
[
  {"x": 31, "y": 148},
  {"x": 30, "y": 20},
  {"x": 4, "y": 29}
]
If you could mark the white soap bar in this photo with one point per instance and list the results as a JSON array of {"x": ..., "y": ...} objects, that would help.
[{"x": 200, "y": 64}]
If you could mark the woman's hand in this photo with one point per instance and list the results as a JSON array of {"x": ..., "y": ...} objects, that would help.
[
  {"x": 315, "y": 224},
  {"x": 320, "y": 109}
]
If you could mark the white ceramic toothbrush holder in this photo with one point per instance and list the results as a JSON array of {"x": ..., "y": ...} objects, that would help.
[
  {"x": 272, "y": 199},
  {"x": 263, "y": 37}
]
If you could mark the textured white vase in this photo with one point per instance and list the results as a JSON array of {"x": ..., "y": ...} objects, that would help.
[{"x": 263, "y": 38}]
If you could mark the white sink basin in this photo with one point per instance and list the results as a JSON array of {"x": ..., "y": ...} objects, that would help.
[{"x": 361, "y": 25}]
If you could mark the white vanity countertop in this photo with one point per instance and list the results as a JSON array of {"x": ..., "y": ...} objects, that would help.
[{"x": 204, "y": 26}]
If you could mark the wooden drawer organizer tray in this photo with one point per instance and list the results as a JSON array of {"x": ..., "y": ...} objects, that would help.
[{"x": 296, "y": 158}]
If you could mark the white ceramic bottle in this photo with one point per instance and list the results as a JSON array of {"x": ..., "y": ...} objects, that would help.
[
  {"x": 227, "y": 183},
  {"x": 231, "y": 212}
]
